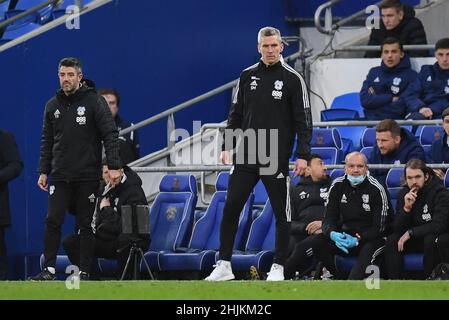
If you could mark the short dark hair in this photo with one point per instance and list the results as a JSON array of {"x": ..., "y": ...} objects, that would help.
[
  {"x": 442, "y": 44},
  {"x": 110, "y": 91},
  {"x": 313, "y": 156},
  {"x": 389, "y": 125},
  {"x": 445, "y": 113},
  {"x": 418, "y": 164},
  {"x": 392, "y": 40},
  {"x": 386, "y": 4},
  {"x": 71, "y": 62}
]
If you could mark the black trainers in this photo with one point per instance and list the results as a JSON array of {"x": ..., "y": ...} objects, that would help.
[{"x": 44, "y": 275}]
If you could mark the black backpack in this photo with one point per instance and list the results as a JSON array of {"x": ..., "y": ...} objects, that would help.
[{"x": 441, "y": 272}]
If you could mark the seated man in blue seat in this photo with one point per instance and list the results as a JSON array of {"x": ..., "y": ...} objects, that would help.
[
  {"x": 421, "y": 215},
  {"x": 394, "y": 145},
  {"x": 307, "y": 200},
  {"x": 428, "y": 95},
  {"x": 439, "y": 153},
  {"x": 106, "y": 222},
  {"x": 355, "y": 221},
  {"x": 384, "y": 85}
]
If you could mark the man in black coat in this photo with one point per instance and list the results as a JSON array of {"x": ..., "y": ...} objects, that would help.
[
  {"x": 421, "y": 216},
  {"x": 106, "y": 221},
  {"x": 307, "y": 199},
  {"x": 10, "y": 168},
  {"x": 76, "y": 123},
  {"x": 398, "y": 21}
]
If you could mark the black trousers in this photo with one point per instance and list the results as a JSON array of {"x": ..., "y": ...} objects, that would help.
[
  {"x": 324, "y": 250},
  {"x": 394, "y": 261},
  {"x": 61, "y": 196},
  {"x": 3, "y": 258},
  {"x": 241, "y": 183},
  {"x": 443, "y": 247}
]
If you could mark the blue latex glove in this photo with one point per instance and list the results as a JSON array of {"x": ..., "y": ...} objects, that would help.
[
  {"x": 350, "y": 241},
  {"x": 340, "y": 241},
  {"x": 336, "y": 236}
]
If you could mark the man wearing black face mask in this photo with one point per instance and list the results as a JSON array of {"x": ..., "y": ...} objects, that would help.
[{"x": 355, "y": 220}]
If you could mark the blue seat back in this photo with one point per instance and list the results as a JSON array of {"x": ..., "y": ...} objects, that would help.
[
  {"x": 171, "y": 215},
  {"x": 206, "y": 231},
  {"x": 337, "y": 173},
  {"x": 368, "y": 137},
  {"x": 446, "y": 179},
  {"x": 349, "y": 100},
  {"x": 354, "y": 134},
  {"x": 394, "y": 184},
  {"x": 326, "y": 138},
  {"x": 328, "y": 155},
  {"x": 337, "y": 114},
  {"x": 428, "y": 134},
  {"x": 260, "y": 193},
  {"x": 262, "y": 232},
  {"x": 367, "y": 151}
]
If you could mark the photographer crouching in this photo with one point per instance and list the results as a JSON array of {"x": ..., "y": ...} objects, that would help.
[{"x": 110, "y": 243}]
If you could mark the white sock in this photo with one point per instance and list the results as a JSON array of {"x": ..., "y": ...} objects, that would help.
[{"x": 51, "y": 270}]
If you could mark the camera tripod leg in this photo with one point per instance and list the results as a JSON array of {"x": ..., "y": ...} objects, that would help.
[
  {"x": 131, "y": 253},
  {"x": 146, "y": 264}
]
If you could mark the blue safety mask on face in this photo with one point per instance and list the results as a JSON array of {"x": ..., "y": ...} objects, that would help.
[{"x": 356, "y": 180}]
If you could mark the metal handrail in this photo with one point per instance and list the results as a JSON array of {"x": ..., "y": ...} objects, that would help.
[
  {"x": 327, "y": 6},
  {"x": 407, "y": 47},
  {"x": 28, "y": 12},
  {"x": 205, "y": 168}
]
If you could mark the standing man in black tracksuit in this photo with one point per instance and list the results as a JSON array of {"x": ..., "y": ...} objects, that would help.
[
  {"x": 270, "y": 107},
  {"x": 76, "y": 121},
  {"x": 422, "y": 214},
  {"x": 354, "y": 222}
]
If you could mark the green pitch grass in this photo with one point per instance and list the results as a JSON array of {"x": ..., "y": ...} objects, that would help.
[{"x": 234, "y": 290}]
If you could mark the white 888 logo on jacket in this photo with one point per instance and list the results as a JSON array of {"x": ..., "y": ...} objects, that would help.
[{"x": 82, "y": 118}]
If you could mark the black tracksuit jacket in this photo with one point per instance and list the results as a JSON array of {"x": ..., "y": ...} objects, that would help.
[
  {"x": 274, "y": 97},
  {"x": 364, "y": 209},
  {"x": 74, "y": 127},
  {"x": 307, "y": 199},
  {"x": 429, "y": 214}
]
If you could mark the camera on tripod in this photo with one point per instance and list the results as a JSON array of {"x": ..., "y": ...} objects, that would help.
[{"x": 135, "y": 221}]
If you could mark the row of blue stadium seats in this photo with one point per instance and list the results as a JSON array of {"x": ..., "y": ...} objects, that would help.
[
  {"x": 32, "y": 21},
  {"x": 329, "y": 144},
  {"x": 181, "y": 244}
]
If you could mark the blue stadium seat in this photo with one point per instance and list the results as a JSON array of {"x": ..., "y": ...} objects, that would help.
[
  {"x": 44, "y": 14},
  {"x": 368, "y": 137},
  {"x": 394, "y": 185},
  {"x": 352, "y": 134},
  {"x": 329, "y": 155},
  {"x": 205, "y": 240},
  {"x": 428, "y": 134},
  {"x": 367, "y": 151},
  {"x": 337, "y": 173},
  {"x": 349, "y": 100},
  {"x": 259, "y": 249},
  {"x": 171, "y": 215},
  {"x": 326, "y": 138},
  {"x": 337, "y": 114}
]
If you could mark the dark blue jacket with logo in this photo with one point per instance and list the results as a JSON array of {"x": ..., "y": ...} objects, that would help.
[
  {"x": 409, "y": 148},
  {"x": 387, "y": 83},
  {"x": 430, "y": 89}
]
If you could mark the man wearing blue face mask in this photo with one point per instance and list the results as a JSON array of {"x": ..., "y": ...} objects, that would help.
[{"x": 355, "y": 220}]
